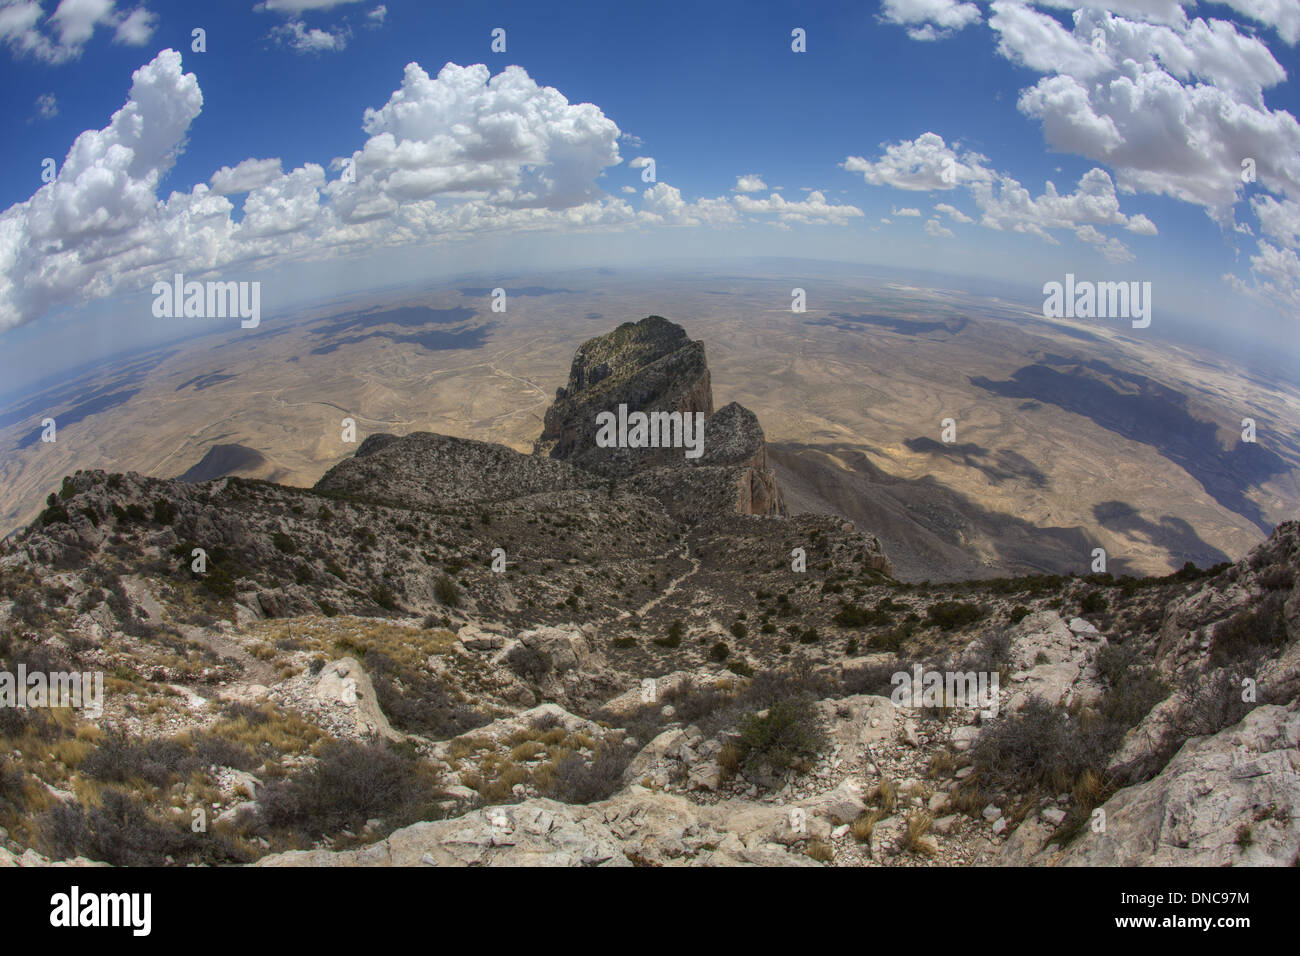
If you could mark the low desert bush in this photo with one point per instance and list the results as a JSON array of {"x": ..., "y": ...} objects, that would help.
[
  {"x": 788, "y": 736},
  {"x": 350, "y": 783}
]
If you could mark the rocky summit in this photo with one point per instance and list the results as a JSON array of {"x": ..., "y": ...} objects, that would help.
[
  {"x": 647, "y": 366},
  {"x": 650, "y": 367},
  {"x": 449, "y": 653}
]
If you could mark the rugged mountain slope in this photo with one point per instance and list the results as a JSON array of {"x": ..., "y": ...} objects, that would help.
[
  {"x": 931, "y": 532},
  {"x": 201, "y": 675},
  {"x": 656, "y": 675},
  {"x": 424, "y": 470},
  {"x": 900, "y": 787}
]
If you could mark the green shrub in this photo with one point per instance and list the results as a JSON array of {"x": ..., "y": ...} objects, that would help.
[
  {"x": 13, "y": 790},
  {"x": 1114, "y": 660},
  {"x": 1253, "y": 632},
  {"x": 851, "y": 616},
  {"x": 164, "y": 512},
  {"x": 54, "y": 514},
  {"x": 528, "y": 662},
  {"x": 949, "y": 615},
  {"x": 122, "y": 759},
  {"x": 1280, "y": 578},
  {"x": 892, "y": 639},
  {"x": 123, "y": 832},
  {"x": 418, "y": 702},
  {"x": 446, "y": 591},
  {"x": 788, "y": 736},
  {"x": 1036, "y": 746},
  {"x": 674, "y": 637},
  {"x": 1094, "y": 602},
  {"x": 577, "y": 781},
  {"x": 219, "y": 582},
  {"x": 350, "y": 783},
  {"x": 992, "y": 652}
]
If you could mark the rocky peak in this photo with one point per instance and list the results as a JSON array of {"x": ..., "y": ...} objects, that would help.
[
  {"x": 652, "y": 366},
  {"x": 627, "y": 351},
  {"x": 733, "y": 436},
  {"x": 648, "y": 366}
]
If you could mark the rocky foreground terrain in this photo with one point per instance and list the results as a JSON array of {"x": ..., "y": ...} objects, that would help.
[{"x": 448, "y": 653}]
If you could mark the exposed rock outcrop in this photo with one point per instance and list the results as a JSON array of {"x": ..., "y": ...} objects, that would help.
[
  {"x": 635, "y": 827},
  {"x": 651, "y": 366},
  {"x": 424, "y": 470},
  {"x": 345, "y": 685},
  {"x": 1229, "y": 799},
  {"x": 1054, "y": 661}
]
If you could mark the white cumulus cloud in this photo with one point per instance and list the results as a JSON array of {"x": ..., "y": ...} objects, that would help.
[
  {"x": 662, "y": 203},
  {"x": 952, "y": 212},
  {"x": 502, "y": 137},
  {"x": 249, "y": 174},
  {"x": 1280, "y": 220},
  {"x": 922, "y": 164},
  {"x": 63, "y": 35},
  {"x": 136, "y": 27},
  {"x": 1282, "y": 15},
  {"x": 299, "y": 6},
  {"x": 1170, "y": 95},
  {"x": 1010, "y": 206},
  {"x": 813, "y": 209},
  {"x": 928, "y": 163},
  {"x": 929, "y": 19},
  {"x": 1172, "y": 110},
  {"x": 89, "y": 226},
  {"x": 937, "y": 230},
  {"x": 445, "y": 157},
  {"x": 297, "y": 37}
]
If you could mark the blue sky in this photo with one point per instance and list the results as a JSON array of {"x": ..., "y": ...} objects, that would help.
[{"x": 1016, "y": 93}]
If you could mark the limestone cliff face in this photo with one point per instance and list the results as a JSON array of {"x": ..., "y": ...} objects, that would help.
[
  {"x": 652, "y": 366},
  {"x": 757, "y": 493},
  {"x": 733, "y": 438},
  {"x": 648, "y": 366}
]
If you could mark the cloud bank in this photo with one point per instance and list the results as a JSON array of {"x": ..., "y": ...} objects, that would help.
[{"x": 446, "y": 157}]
